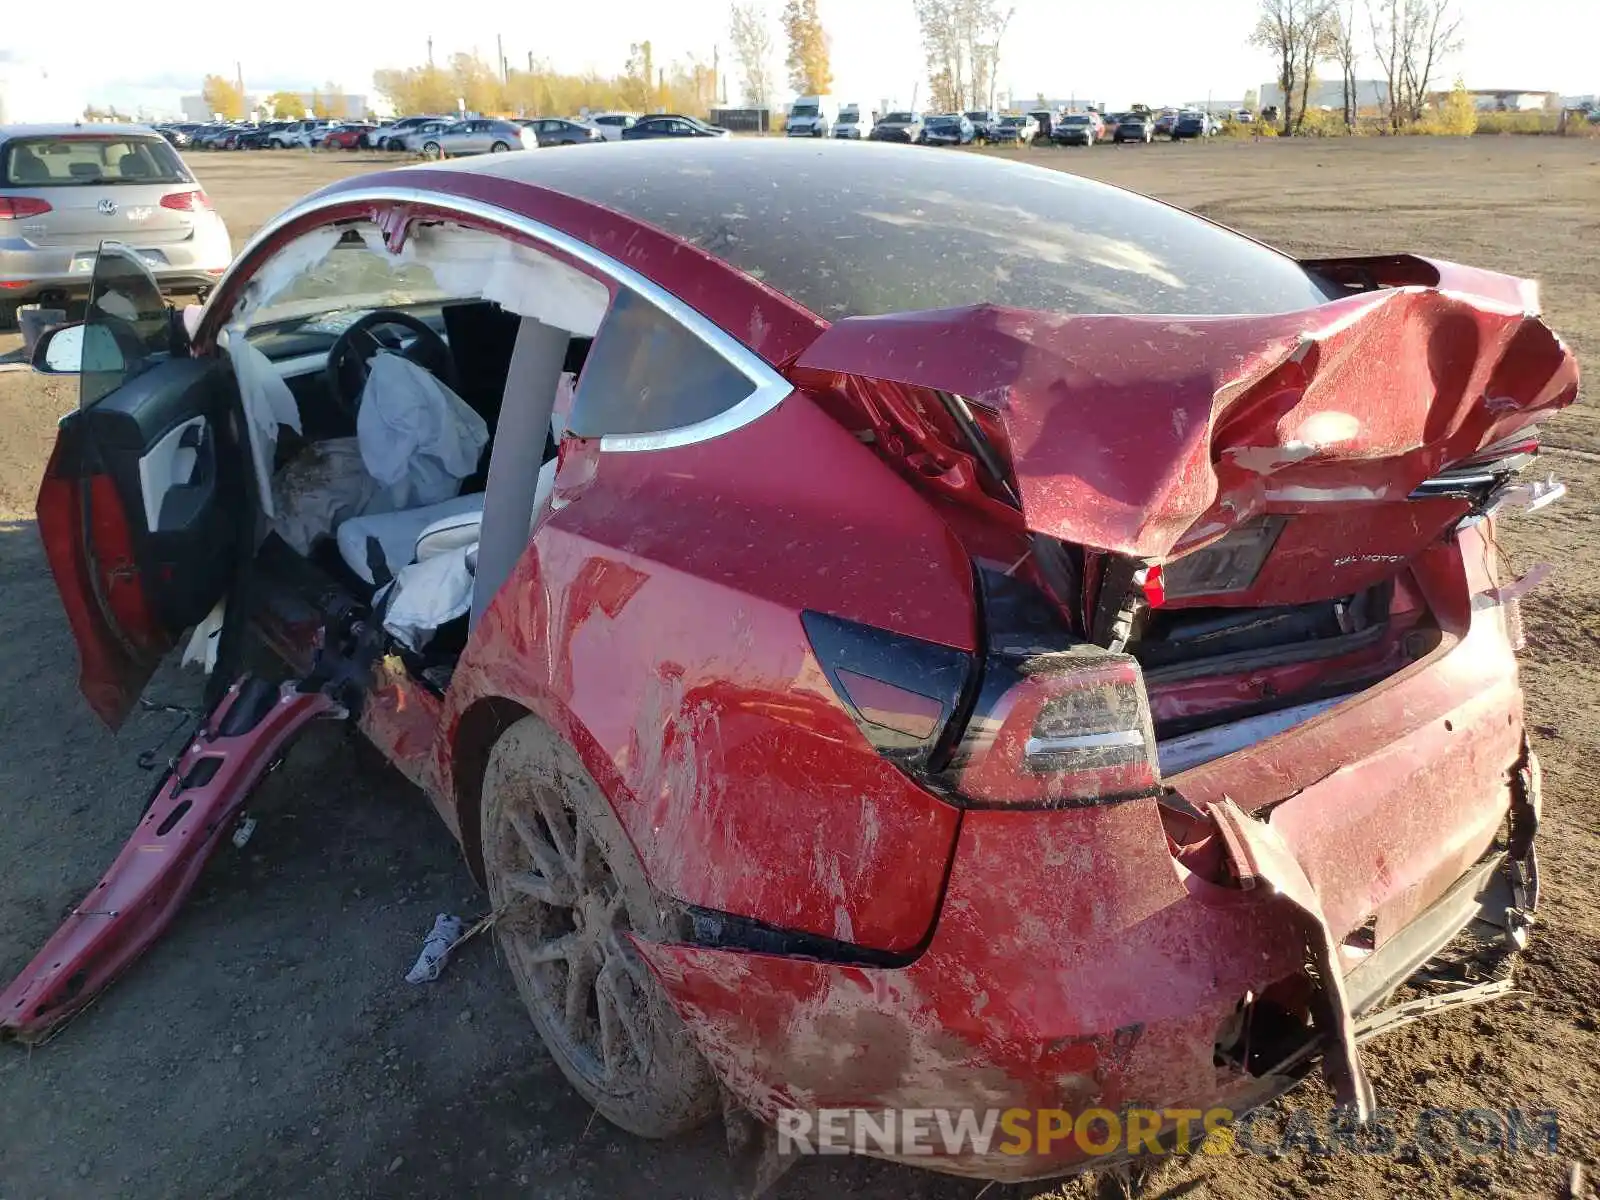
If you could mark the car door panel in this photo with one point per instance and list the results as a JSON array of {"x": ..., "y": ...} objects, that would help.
[{"x": 142, "y": 501}]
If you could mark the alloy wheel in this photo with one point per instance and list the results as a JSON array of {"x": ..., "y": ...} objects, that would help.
[{"x": 564, "y": 923}]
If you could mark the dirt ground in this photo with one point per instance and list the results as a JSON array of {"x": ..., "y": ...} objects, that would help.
[{"x": 269, "y": 1046}]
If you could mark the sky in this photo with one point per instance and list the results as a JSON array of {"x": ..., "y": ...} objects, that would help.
[{"x": 1184, "y": 50}]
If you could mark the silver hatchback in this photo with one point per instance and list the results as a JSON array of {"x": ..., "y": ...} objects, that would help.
[{"x": 64, "y": 189}]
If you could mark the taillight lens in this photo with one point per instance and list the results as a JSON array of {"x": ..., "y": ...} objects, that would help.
[
  {"x": 195, "y": 201},
  {"x": 1075, "y": 729},
  {"x": 15, "y": 208}
]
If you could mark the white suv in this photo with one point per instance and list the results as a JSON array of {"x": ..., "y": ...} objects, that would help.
[{"x": 611, "y": 124}]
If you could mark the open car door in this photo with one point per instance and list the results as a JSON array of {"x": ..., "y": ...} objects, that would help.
[{"x": 141, "y": 502}]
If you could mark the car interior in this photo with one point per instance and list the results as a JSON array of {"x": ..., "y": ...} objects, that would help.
[{"x": 381, "y": 394}]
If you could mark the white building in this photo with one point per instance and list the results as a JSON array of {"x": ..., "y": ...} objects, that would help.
[
  {"x": 1496, "y": 100},
  {"x": 1370, "y": 93}
]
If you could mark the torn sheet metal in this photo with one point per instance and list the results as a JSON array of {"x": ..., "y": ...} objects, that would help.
[
  {"x": 1262, "y": 857},
  {"x": 1153, "y": 435}
]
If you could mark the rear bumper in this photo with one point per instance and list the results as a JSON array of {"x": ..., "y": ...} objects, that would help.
[
  {"x": 1076, "y": 964},
  {"x": 27, "y": 271}
]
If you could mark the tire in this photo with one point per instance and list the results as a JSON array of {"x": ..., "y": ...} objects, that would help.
[
  {"x": 564, "y": 876},
  {"x": 499, "y": 148},
  {"x": 432, "y": 151}
]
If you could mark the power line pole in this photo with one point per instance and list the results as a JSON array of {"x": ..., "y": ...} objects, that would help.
[
  {"x": 500, "y": 57},
  {"x": 430, "y": 49}
]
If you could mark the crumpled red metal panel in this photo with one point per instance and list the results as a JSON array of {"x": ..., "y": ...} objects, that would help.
[{"x": 1151, "y": 435}]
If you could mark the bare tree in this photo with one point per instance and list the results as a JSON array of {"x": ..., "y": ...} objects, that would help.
[
  {"x": 1342, "y": 36},
  {"x": 1295, "y": 32},
  {"x": 1410, "y": 39},
  {"x": 1436, "y": 34},
  {"x": 961, "y": 45},
  {"x": 752, "y": 50}
]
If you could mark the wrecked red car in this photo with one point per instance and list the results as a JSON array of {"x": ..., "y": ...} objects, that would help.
[{"x": 978, "y": 639}]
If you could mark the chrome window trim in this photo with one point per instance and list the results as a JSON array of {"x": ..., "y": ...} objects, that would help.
[{"x": 770, "y": 388}]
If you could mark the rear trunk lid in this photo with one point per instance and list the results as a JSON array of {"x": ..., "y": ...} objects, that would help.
[{"x": 1152, "y": 437}]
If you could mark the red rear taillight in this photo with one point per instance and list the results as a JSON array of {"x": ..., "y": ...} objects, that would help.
[
  {"x": 15, "y": 208},
  {"x": 1074, "y": 729},
  {"x": 195, "y": 201}
]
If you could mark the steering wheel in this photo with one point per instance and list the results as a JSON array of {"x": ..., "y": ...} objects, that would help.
[{"x": 350, "y": 357}]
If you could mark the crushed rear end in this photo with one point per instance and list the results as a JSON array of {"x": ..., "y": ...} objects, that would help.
[{"x": 1243, "y": 744}]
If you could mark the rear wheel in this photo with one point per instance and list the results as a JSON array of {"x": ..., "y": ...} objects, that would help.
[
  {"x": 432, "y": 150},
  {"x": 569, "y": 889},
  {"x": 499, "y": 148}
]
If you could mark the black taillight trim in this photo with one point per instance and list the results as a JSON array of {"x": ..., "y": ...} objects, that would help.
[{"x": 926, "y": 669}]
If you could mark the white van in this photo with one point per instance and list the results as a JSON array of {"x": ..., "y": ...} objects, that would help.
[{"x": 812, "y": 116}]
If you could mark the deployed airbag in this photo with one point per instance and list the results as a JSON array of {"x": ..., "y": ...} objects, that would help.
[
  {"x": 418, "y": 438},
  {"x": 268, "y": 403}
]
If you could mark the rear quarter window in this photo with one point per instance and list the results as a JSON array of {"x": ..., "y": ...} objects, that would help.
[
  {"x": 645, "y": 374},
  {"x": 86, "y": 161}
]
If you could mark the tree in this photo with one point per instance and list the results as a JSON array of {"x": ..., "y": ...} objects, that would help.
[
  {"x": 961, "y": 45},
  {"x": 1295, "y": 32},
  {"x": 809, "y": 71},
  {"x": 1316, "y": 44},
  {"x": 1411, "y": 38},
  {"x": 1342, "y": 40},
  {"x": 752, "y": 51},
  {"x": 1457, "y": 114},
  {"x": 284, "y": 106},
  {"x": 640, "y": 81},
  {"x": 223, "y": 96},
  {"x": 1436, "y": 36}
]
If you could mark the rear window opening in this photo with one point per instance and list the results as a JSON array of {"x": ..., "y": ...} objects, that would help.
[{"x": 90, "y": 160}]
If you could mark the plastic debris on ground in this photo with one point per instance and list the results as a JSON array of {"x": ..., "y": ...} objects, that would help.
[{"x": 435, "y": 949}]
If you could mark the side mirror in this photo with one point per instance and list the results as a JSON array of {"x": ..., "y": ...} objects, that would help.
[
  {"x": 78, "y": 348},
  {"x": 59, "y": 351}
]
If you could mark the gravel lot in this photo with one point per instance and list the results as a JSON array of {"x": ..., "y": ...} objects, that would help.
[{"x": 268, "y": 1045}]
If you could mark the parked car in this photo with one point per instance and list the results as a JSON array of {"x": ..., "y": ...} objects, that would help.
[
  {"x": 1078, "y": 129},
  {"x": 1244, "y": 116},
  {"x": 477, "y": 136},
  {"x": 1134, "y": 127},
  {"x": 557, "y": 131},
  {"x": 255, "y": 137},
  {"x": 1127, "y": 733},
  {"x": 1193, "y": 124},
  {"x": 1013, "y": 129},
  {"x": 415, "y": 137},
  {"x": 221, "y": 137},
  {"x": 671, "y": 125},
  {"x": 1164, "y": 122},
  {"x": 300, "y": 135},
  {"x": 947, "y": 129},
  {"x": 66, "y": 188},
  {"x": 352, "y": 136},
  {"x": 983, "y": 122},
  {"x": 391, "y": 135},
  {"x": 612, "y": 124},
  {"x": 897, "y": 127}
]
